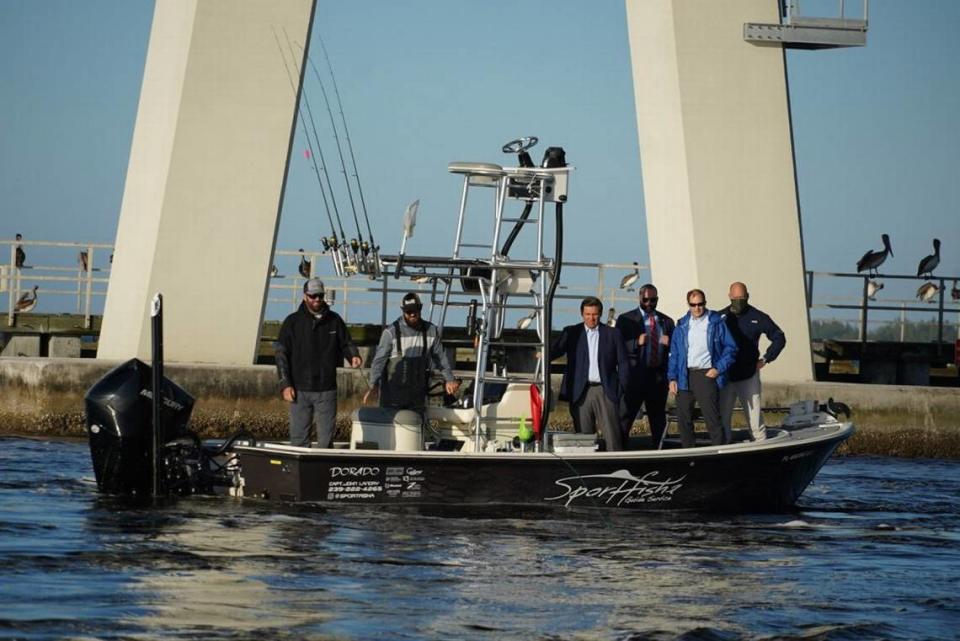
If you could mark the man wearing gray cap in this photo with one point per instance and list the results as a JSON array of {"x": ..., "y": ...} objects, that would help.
[
  {"x": 400, "y": 370},
  {"x": 313, "y": 342}
]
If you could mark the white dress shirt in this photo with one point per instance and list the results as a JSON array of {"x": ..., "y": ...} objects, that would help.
[{"x": 593, "y": 348}]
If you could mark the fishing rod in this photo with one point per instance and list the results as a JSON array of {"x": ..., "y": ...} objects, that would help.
[
  {"x": 333, "y": 242},
  {"x": 352, "y": 258},
  {"x": 353, "y": 158},
  {"x": 336, "y": 138}
]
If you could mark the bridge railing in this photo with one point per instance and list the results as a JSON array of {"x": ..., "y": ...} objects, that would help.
[
  {"x": 57, "y": 269},
  {"x": 942, "y": 302},
  {"x": 85, "y": 281}
]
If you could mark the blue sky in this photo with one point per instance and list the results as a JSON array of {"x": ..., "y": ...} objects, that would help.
[{"x": 425, "y": 82}]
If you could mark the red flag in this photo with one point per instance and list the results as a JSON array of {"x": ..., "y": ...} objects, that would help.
[{"x": 536, "y": 410}]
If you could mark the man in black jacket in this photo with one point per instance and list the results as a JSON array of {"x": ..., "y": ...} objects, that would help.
[
  {"x": 313, "y": 342},
  {"x": 746, "y": 324},
  {"x": 646, "y": 335}
]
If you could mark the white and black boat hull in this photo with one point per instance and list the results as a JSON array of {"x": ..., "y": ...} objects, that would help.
[{"x": 745, "y": 477}]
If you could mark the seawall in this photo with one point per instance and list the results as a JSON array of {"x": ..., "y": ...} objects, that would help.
[{"x": 44, "y": 397}]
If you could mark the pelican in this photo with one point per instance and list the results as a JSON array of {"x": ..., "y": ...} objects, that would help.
[
  {"x": 304, "y": 264},
  {"x": 27, "y": 301},
  {"x": 927, "y": 291},
  {"x": 21, "y": 256},
  {"x": 928, "y": 264},
  {"x": 873, "y": 259},
  {"x": 524, "y": 322},
  {"x": 955, "y": 291},
  {"x": 612, "y": 317},
  {"x": 627, "y": 281},
  {"x": 82, "y": 260},
  {"x": 873, "y": 286}
]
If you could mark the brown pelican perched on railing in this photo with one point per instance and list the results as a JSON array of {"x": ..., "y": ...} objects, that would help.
[
  {"x": 27, "y": 301},
  {"x": 955, "y": 291},
  {"x": 20, "y": 256},
  {"x": 873, "y": 259},
  {"x": 927, "y": 291},
  {"x": 928, "y": 264},
  {"x": 627, "y": 281},
  {"x": 305, "y": 266}
]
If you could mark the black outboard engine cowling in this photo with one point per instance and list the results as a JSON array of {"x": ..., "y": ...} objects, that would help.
[{"x": 120, "y": 427}]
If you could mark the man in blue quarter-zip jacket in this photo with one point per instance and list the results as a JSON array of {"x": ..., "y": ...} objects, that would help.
[
  {"x": 701, "y": 352},
  {"x": 746, "y": 324}
]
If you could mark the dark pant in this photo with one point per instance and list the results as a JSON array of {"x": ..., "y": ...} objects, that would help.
[
  {"x": 649, "y": 391},
  {"x": 594, "y": 410},
  {"x": 703, "y": 391},
  {"x": 319, "y": 408}
]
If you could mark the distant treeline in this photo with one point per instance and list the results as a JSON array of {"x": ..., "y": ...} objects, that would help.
[{"x": 913, "y": 331}]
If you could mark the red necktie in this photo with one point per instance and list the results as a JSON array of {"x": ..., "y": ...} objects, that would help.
[{"x": 654, "y": 342}]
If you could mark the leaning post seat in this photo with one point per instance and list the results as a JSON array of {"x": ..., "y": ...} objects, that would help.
[{"x": 478, "y": 174}]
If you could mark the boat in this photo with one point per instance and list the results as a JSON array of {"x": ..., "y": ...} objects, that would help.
[{"x": 477, "y": 450}]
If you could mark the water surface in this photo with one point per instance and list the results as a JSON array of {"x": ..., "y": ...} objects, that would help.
[{"x": 873, "y": 552}]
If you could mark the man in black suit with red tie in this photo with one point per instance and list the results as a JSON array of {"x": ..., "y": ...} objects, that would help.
[
  {"x": 646, "y": 334},
  {"x": 596, "y": 373}
]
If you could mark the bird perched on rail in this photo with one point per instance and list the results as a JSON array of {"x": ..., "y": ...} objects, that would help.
[
  {"x": 927, "y": 291},
  {"x": 928, "y": 264},
  {"x": 305, "y": 266},
  {"x": 873, "y": 259},
  {"x": 524, "y": 322},
  {"x": 627, "y": 281},
  {"x": 274, "y": 271},
  {"x": 873, "y": 286},
  {"x": 27, "y": 301},
  {"x": 83, "y": 261},
  {"x": 955, "y": 291},
  {"x": 421, "y": 278},
  {"x": 612, "y": 317},
  {"x": 20, "y": 256}
]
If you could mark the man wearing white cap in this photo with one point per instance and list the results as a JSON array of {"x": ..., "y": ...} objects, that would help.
[
  {"x": 313, "y": 342},
  {"x": 400, "y": 370}
]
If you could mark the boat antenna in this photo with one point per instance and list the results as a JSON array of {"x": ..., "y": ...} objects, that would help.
[
  {"x": 306, "y": 135},
  {"x": 323, "y": 162},
  {"x": 343, "y": 119}
]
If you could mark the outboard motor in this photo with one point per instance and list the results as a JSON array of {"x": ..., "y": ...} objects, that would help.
[{"x": 120, "y": 427}]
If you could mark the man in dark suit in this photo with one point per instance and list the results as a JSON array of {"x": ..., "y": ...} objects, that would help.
[
  {"x": 596, "y": 373},
  {"x": 646, "y": 335}
]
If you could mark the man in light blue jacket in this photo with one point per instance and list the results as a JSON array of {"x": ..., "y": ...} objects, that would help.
[{"x": 701, "y": 352}]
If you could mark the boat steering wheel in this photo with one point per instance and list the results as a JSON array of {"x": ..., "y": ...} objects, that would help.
[{"x": 520, "y": 145}]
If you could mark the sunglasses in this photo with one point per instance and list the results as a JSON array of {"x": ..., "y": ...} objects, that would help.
[
  {"x": 314, "y": 296},
  {"x": 652, "y": 299},
  {"x": 703, "y": 304}
]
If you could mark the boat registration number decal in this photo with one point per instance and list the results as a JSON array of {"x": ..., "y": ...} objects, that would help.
[
  {"x": 369, "y": 483},
  {"x": 617, "y": 488}
]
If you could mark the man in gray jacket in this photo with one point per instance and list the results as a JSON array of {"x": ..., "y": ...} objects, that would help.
[{"x": 409, "y": 348}]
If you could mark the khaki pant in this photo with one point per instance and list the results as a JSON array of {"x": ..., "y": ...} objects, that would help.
[{"x": 748, "y": 391}]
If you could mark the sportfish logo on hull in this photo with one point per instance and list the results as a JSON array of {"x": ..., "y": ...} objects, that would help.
[{"x": 620, "y": 488}]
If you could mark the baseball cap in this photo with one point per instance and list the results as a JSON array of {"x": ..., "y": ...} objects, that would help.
[
  {"x": 411, "y": 303},
  {"x": 313, "y": 287}
]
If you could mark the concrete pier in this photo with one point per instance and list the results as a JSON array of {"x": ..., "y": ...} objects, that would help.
[{"x": 44, "y": 397}]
